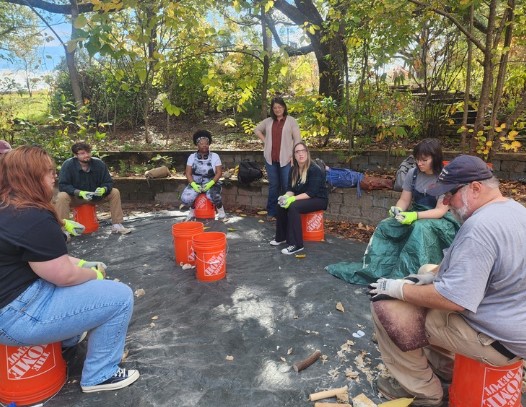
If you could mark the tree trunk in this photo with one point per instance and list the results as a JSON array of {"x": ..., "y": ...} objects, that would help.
[
  {"x": 487, "y": 80},
  {"x": 501, "y": 75},
  {"x": 70, "y": 60},
  {"x": 267, "y": 50},
  {"x": 468, "y": 85}
]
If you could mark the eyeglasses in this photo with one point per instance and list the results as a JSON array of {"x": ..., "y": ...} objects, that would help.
[
  {"x": 300, "y": 151},
  {"x": 450, "y": 194}
]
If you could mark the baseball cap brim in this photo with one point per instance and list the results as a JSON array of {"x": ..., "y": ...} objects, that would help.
[{"x": 440, "y": 188}]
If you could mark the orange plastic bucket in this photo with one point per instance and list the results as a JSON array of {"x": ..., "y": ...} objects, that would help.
[
  {"x": 31, "y": 374},
  {"x": 204, "y": 208},
  {"x": 182, "y": 234},
  {"x": 312, "y": 226},
  {"x": 210, "y": 255},
  {"x": 87, "y": 216},
  {"x": 476, "y": 384}
]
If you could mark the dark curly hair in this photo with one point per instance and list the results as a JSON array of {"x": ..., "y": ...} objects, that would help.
[{"x": 202, "y": 133}]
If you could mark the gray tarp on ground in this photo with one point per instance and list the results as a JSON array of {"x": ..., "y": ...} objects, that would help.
[
  {"x": 182, "y": 329},
  {"x": 396, "y": 250}
]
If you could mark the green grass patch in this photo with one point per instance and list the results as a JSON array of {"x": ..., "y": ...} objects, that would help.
[{"x": 34, "y": 109}]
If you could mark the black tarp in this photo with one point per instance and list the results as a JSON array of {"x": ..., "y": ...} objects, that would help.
[{"x": 270, "y": 311}]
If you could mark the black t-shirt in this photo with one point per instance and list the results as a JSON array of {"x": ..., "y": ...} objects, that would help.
[{"x": 29, "y": 234}]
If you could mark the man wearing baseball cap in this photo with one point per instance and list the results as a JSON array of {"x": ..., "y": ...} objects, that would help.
[{"x": 472, "y": 304}]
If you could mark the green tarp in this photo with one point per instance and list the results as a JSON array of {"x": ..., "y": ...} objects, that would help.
[{"x": 396, "y": 250}]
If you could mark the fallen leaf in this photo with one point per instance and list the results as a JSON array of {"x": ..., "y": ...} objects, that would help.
[
  {"x": 243, "y": 215},
  {"x": 229, "y": 358},
  {"x": 261, "y": 221},
  {"x": 155, "y": 317},
  {"x": 262, "y": 212},
  {"x": 231, "y": 229},
  {"x": 139, "y": 292},
  {"x": 339, "y": 307},
  {"x": 206, "y": 227},
  {"x": 301, "y": 256},
  {"x": 403, "y": 402},
  {"x": 188, "y": 266},
  {"x": 283, "y": 359},
  {"x": 289, "y": 352}
]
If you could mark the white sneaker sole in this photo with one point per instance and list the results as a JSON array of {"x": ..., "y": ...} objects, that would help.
[
  {"x": 133, "y": 375},
  {"x": 285, "y": 251},
  {"x": 274, "y": 243}
]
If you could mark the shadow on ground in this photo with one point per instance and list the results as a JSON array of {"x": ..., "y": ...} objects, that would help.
[{"x": 270, "y": 311}]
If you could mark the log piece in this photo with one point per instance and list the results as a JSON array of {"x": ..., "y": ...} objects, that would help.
[
  {"x": 299, "y": 366},
  {"x": 323, "y": 404},
  {"x": 327, "y": 393}
]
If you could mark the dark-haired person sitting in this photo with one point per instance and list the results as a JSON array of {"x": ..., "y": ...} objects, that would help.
[
  {"x": 203, "y": 171},
  {"x": 417, "y": 231},
  {"x": 306, "y": 192},
  {"x": 85, "y": 179}
]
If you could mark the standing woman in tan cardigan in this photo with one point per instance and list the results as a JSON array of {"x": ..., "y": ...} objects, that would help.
[{"x": 279, "y": 133}]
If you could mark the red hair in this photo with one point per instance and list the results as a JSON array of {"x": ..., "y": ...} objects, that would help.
[{"x": 22, "y": 173}]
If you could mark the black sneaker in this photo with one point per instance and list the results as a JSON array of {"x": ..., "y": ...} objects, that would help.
[
  {"x": 120, "y": 379},
  {"x": 292, "y": 249}
]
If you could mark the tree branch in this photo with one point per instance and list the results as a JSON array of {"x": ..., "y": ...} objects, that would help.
[
  {"x": 457, "y": 23},
  {"x": 51, "y": 7}
]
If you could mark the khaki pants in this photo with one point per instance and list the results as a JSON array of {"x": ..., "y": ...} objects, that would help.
[
  {"x": 64, "y": 202},
  {"x": 447, "y": 332}
]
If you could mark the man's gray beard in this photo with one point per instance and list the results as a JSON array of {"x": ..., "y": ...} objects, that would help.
[{"x": 461, "y": 214}]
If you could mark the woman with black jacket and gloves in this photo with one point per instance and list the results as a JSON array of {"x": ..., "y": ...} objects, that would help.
[{"x": 306, "y": 192}]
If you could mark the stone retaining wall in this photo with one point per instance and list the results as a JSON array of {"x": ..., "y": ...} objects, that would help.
[{"x": 344, "y": 203}]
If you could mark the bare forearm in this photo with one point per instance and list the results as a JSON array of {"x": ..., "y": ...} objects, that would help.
[{"x": 427, "y": 296}]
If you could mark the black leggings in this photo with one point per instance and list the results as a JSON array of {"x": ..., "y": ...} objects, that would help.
[{"x": 288, "y": 223}]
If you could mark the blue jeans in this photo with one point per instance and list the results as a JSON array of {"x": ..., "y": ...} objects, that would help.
[
  {"x": 278, "y": 177},
  {"x": 45, "y": 313}
]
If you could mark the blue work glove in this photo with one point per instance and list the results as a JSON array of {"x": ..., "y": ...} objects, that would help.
[
  {"x": 387, "y": 289},
  {"x": 208, "y": 185},
  {"x": 195, "y": 187},
  {"x": 88, "y": 196},
  {"x": 73, "y": 228},
  {"x": 406, "y": 218},
  {"x": 100, "y": 191},
  {"x": 394, "y": 211},
  {"x": 288, "y": 201}
]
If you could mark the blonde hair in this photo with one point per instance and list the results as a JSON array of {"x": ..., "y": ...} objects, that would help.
[{"x": 299, "y": 175}]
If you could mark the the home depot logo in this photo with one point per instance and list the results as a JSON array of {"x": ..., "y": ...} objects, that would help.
[
  {"x": 314, "y": 222},
  {"x": 505, "y": 387},
  {"x": 214, "y": 264},
  {"x": 28, "y": 361},
  {"x": 200, "y": 202}
]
